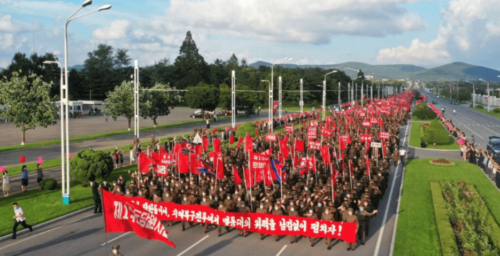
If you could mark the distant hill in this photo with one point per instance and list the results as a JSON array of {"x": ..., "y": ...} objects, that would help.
[
  {"x": 77, "y": 67},
  {"x": 457, "y": 71},
  {"x": 449, "y": 72}
]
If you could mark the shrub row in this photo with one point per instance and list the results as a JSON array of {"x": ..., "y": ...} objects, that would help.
[{"x": 468, "y": 216}]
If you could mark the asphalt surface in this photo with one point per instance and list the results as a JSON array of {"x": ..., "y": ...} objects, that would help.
[
  {"x": 9, "y": 158},
  {"x": 84, "y": 235}
]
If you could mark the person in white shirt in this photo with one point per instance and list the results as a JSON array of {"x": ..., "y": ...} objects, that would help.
[
  {"x": 19, "y": 218},
  {"x": 6, "y": 184},
  {"x": 402, "y": 154}
]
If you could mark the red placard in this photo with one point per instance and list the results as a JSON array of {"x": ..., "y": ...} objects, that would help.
[
  {"x": 315, "y": 145},
  {"x": 271, "y": 137}
]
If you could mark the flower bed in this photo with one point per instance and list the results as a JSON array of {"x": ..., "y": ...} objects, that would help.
[
  {"x": 441, "y": 161},
  {"x": 469, "y": 218}
]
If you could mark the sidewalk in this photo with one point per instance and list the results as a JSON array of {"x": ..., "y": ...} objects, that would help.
[{"x": 10, "y": 158}]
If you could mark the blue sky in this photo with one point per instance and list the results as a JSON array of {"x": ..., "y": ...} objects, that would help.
[{"x": 426, "y": 32}]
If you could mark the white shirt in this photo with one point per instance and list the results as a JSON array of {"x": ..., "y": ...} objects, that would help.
[
  {"x": 402, "y": 152},
  {"x": 6, "y": 179},
  {"x": 19, "y": 214}
]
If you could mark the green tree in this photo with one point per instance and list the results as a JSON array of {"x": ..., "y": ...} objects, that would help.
[
  {"x": 156, "y": 103},
  {"x": 89, "y": 165},
  {"x": 120, "y": 102},
  {"x": 203, "y": 96},
  {"x": 29, "y": 103},
  {"x": 190, "y": 67}
]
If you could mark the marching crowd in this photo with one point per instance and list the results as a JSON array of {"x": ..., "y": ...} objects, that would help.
[{"x": 348, "y": 187}]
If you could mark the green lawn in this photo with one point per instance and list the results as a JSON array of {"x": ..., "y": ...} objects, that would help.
[
  {"x": 417, "y": 232},
  {"x": 93, "y": 136},
  {"x": 485, "y": 111},
  {"x": 43, "y": 205},
  {"x": 415, "y": 138}
]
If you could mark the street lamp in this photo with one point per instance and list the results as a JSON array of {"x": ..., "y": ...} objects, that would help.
[
  {"x": 488, "y": 91},
  {"x": 271, "y": 103},
  {"x": 324, "y": 93},
  {"x": 473, "y": 94},
  {"x": 270, "y": 112},
  {"x": 64, "y": 101}
]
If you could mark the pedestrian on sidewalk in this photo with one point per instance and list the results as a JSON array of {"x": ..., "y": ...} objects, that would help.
[
  {"x": 24, "y": 179},
  {"x": 6, "y": 183},
  {"x": 19, "y": 218},
  {"x": 39, "y": 175},
  {"x": 115, "y": 251}
]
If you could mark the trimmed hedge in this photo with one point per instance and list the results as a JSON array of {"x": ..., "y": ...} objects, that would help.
[
  {"x": 48, "y": 184},
  {"x": 436, "y": 133},
  {"x": 423, "y": 112},
  {"x": 446, "y": 235}
]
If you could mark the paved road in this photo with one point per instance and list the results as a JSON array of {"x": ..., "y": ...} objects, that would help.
[
  {"x": 469, "y": 121},
  {"x": 83, "y": 235},
  {"x": 52, "y": 152}
]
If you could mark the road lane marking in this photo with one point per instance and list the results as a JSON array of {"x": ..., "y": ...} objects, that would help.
[
  {"x": 191, "y": 247},
  {"x": 281, "y": 251},
  {"x": 384, "y": 221},
  {"x": 116, "y": 238},
  {"x": 473, "y": 132},
  {"x": 22, "y": 241}
]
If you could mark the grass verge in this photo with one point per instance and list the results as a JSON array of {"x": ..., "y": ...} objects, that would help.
[
  {"x": 449, "y": 246},
  {"x": 415, "y": 138},
  {"x": 43, "y": 205},
  {"x": 417, "y": 232},
  {"x": 93, "y": 136}
]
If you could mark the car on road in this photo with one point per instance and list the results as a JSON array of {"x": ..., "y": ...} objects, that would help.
[
  {"x": 493, "y": 147},
  {"x": 224, "y": 112},
  {"x": 199, "y": 113}
]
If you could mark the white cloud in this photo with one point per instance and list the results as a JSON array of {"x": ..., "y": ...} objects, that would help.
[
  {"x": 470, "y": 32},
  {"x": 118, "y": 29},
  {"x": 6, "y": 41},
  {"x": 6, "y": 24},
  {"x": 301, "y": 21}
]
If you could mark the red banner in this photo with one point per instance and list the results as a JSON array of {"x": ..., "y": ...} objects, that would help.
[
  {"x": 384, "y": 135},
  {"x": 121, "y": 214},
  {"x": 315, "y": 145},
  {"x": 269, "y": 224},
  {"x": 271, "y": 137},
  {"x": 312, "y": 133}
]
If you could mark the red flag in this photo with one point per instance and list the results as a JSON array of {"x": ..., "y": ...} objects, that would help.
[
  {"x": 231, "y": 139},
  {"x": 248, "y": 177},
  {"x": 144, "y": 163},
  {"x": 183, "y": 163},
  {"x": 237, "y": 179},
  {"x": 123, "y": 216},
  {"x": 367, "y": 166},
  {"x": 217, "y": 147},
  {"x": 325, "y": 153},
  {"x": 205, "y": 143},
  {"x": 299, "y": 145},
  {"x": 240, "y": 140}
]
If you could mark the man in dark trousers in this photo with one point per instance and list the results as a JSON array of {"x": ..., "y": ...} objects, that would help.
[
  {"x": 95, "y": 193},
  {"x": 19, "y": 218}
]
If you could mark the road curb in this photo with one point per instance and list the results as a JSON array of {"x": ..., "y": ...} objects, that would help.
[{"x": 7, "y": 237}]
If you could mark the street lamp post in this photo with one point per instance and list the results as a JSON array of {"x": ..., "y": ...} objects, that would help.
[
  {"x": 271, "y": 103},
  {"x": 301, "y": 103},
  {"x": 64, "y": 100},
  {"x": 488, "y": 91},
  {"x": 324, "y": 94},
  {"x": 270, "y": 112}
]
